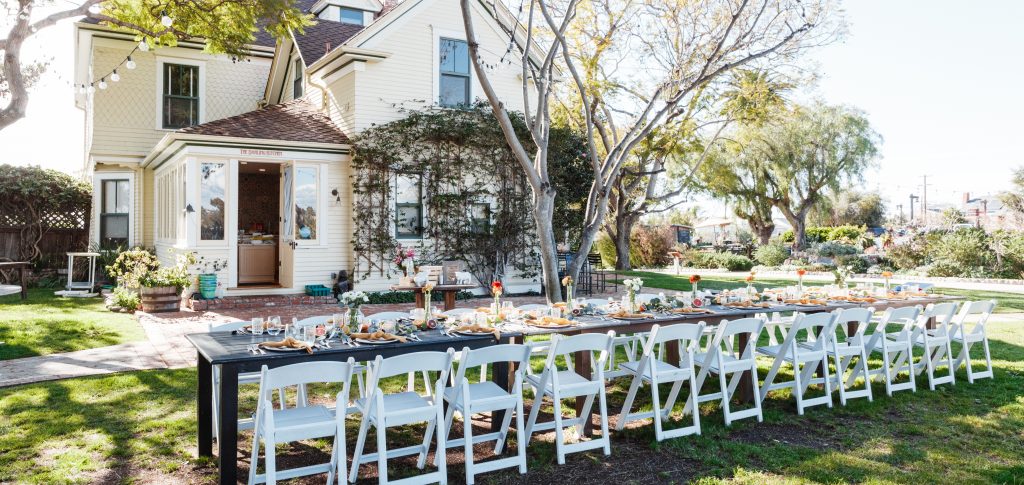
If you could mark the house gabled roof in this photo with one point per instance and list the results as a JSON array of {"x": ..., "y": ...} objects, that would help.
[
  {"x": 319, "y": 39},
  {"x": 294, "y": 121}
]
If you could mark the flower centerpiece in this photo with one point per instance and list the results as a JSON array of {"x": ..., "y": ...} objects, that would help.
[
  {"x": 352, "y": 300},
  {"x": 800, "y": 281},
  {"x": 568, "y": 283},
  {"x": 496, "y": 290},
  {"x": 842, "y": 273},
  {"x": 750, "y": 285},
  {"x": 887, "y": 275},
  {"x": 694, "y": 279},
  {"x": 403, "y": 259},
  {"x": 427, "y": 288},
  {"x": 633, "y": 286}
]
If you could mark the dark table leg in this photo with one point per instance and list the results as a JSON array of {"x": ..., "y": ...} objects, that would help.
[
  {"x": 449, "y": 299},
  {"x": 24, "y": 283},
  {"x": 204, "y": 405},
  {"x": 503, "y": 378},
  {"x": 227, "y": 444},
  {"x": 581, "y": 360},
  {"x": 746, "y": 391},
  {"x": 420, "y": 302}
]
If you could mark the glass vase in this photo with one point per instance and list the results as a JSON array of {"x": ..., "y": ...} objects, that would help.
[{"x": 426, "y": 306}]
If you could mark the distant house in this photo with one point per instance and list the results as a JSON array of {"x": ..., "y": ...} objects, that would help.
[
  {"x": 987, "y": 211},
  {"x": 204, "y": 153}
]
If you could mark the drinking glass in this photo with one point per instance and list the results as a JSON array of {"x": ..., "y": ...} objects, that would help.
[
  {"x": 273, "y": 328},
  {"x": 506, "y": 306},
  {"x": 257, "y": 326}
]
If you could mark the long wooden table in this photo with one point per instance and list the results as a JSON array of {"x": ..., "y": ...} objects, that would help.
[
  {"x": 229, "y": 351},
  {"x": 448, "y": 293}
]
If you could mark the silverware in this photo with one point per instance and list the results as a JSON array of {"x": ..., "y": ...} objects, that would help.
[
  {"x": 262, "y": 352},
  {"x": 251, "y": 348}
]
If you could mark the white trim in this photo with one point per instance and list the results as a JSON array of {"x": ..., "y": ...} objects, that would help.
[
  {"x": 160, "y": 62},
  {"x": 97, "y": 191},
  {"x": 435, "y": 83},
  {"x": 229, "y": 183},
  {"x": 231, "y": 225},
  {"x": 321, "y": 205}
]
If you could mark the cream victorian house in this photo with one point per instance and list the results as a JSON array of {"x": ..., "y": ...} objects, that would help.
[{"x": 204, "y": 153}]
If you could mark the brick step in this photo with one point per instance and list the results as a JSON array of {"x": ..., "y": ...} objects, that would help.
[{"x": 241, "y": 302}]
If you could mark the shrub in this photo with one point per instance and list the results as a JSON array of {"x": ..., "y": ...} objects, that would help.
[
  {"x": 649, "y": 247},
  {"x": 1009, "y": 249},
  {"x": 856, "y": 264},
  {"x": 964, "y": 252},
  {"x": 835, "y": 249},
  {"x": 733, "y": 262},
  {"x": 772, "y": 254},
  {"x": 125, "y": 298},
  {"x": 605, "y": 247},
  {"x": 699, "y": 259},
  {"x": 131, "y": 266}
]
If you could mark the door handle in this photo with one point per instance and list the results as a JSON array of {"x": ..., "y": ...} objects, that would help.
[{"x": 293, "y": 244}]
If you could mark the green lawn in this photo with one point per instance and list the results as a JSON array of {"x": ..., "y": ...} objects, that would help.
[
  {"x": 140, "y": 427},
  {"x": 45, "y": 324}
]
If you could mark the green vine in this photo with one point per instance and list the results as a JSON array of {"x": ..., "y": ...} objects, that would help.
[{"x": 464, "y": 161}]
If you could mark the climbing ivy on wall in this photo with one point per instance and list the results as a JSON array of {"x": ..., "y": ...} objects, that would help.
[{"x": 464, "y": 162}]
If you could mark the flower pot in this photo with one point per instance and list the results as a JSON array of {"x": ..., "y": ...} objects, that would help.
[
  {"x": 160, "y": 299},
  {"x": 208, "y": 286}
]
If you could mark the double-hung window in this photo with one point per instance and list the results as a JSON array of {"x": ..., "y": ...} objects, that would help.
[
  {"x": 115, "y": 204},
  {"x": 180, "y": 96},
  {"x": 454, "y": 71},
  {"x": 480, "y": 218},
  {"x": 297, "y": 82},
  {"x": 408, "y": 206},
  {"x": 351, "y": 16}
]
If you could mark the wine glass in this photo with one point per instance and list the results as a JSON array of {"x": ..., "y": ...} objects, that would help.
[{"x": 274, "y": 327}]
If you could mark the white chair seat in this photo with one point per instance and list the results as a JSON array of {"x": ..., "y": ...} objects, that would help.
[
  {"x": 803, "y": 352},
  {"x": 660, "y": 368},
  {"x": 571, "y": 384},
  {"x": 302, "y": 423},
  {"x": 400, "y": 406},
  {"x": 730, "y": 362},
  {"x": 483, "y": 395}
]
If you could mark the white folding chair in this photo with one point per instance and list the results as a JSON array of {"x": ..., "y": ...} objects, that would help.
[
  {"x": 244, "y": 378},
  {"x": 897, "y": 348},
  {"x": 805, "y": 350},
  {"x": 560, "y": 384},
  {"x": 976, "y": 314},
  {"x": 653, "y": 369},
  {"x": 274, "y": 426},
  {"x": 384, "y": 411},
  {"x": 724, "y": 356},
  {"x": 936, "y": 343},
  {"x": 851, "y": 347},
  {"x": 486, "y": 396}
]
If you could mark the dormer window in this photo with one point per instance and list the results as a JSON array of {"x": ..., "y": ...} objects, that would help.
[
  {"x": 297, "y": 81},
  {"x": 454, "y": 67},
  {"x": 351, "y": 16}
]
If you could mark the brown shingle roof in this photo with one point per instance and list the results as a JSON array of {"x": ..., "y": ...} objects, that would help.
[
  {"x": 296, "y": 120},
  {"x": 320, "y": 38}
]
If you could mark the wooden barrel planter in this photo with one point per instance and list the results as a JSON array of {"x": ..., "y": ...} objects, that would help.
[{"x": 160, "y": 299}]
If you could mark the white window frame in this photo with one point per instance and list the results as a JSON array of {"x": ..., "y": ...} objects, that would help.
[
  {"x": 160, "y": 62},
  {"x": 321, "y": 205},
  {"x": 97, "y": 191},
  {"x": 436, "y": 82},
  {"x": 170, "y": 197},
  {"x": 196, "y": 191}
]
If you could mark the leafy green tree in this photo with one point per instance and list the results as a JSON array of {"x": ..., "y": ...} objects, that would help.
[
  {"x": 953, "y": 216},
  {"x": 1013, "y": 199},
  {"x": 226, "y": 26},
  {"x": 799, "y": 156},
  {"x": 849, "y": 207},
  {"x": 34, "y": 200}
]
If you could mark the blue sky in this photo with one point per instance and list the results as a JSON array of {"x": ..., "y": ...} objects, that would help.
[{"x": 940, "y": 80}]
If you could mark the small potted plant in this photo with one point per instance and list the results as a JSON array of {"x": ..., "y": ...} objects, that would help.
[{"x": 207, "y": 279}]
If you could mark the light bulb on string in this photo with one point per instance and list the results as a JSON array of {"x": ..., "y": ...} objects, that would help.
[
  {"x": 130, "y": 64},
  {"x": 103, "y": 83},
  {"x": 91, "y": 89},
  {"x": 143, "y": 46},
  {"x": 114, "y": 76},
  {"x": 95, "y": 9},
  {"x": 166, "y": 20}
]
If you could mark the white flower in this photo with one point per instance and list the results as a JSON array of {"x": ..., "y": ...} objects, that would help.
[
  {"x": 633, "y": 284},
  {"x": 354, "y": 297}
]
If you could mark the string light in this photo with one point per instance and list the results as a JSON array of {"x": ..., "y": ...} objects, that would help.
[
  {"x": 95, "y": 9},
  {"x": 144, "y": 46},
  {"x": 166, "y": 20},
  {"x": 103, "y": 83},
  {"x": 114, "y": 76},
  {"x": 130, "y": 64}
]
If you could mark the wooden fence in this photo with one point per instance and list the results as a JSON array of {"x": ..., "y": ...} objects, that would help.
[{"x": 54, "y": 245}]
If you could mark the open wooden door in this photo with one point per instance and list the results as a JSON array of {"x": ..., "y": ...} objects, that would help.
[{"x": 286, "y": 240}]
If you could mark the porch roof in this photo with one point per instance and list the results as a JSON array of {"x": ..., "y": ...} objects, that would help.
[{"x": 294, "y": 121}]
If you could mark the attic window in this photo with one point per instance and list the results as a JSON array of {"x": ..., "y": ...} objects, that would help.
[
  {"x": 297, "y": 81},
  {"x": 454, "y": 59},
  {"x": 351, "y": 16}
]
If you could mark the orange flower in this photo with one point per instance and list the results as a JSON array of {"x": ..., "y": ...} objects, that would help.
[
  {"x": 750, "y": 278},
  {"x": 887, "y": 274},
  {"x": 801, "y": 272},
  {"x": 496, "y": 288},
  {"x": 694, "y": 278}
]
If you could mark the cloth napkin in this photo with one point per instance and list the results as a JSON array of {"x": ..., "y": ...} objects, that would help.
[
  {"x": 549, "y": 321},
  {"x": 378, "y": 335},
  {"x": 291, "y": 343},
  {"x": 690, "y": 310},
  {"x": 625, "y": 314},
  {"x": 474, "y": 328}
]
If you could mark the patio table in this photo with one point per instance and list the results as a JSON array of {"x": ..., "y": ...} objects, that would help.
[
  {"x": 591, "y": 324},
  {"x": 447, "y": 291},
  {"x": 229, "y": 350}
]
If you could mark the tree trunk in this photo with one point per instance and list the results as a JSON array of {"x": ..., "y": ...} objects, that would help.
[
  {"x": 764, "y": 232},
  {"x": 799, "y": 233},
  {"x": 544, "y": 205},
  {"x": 621, "y": 240}
]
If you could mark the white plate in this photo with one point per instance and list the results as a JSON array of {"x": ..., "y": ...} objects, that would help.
[
  {"x": 283, "y": 349},
  {"x": 633, "y": 318},
  {"x": 553, "y": 327},
  {"x": 474, "y": 334},
  {"x": 375, "y": 342}
]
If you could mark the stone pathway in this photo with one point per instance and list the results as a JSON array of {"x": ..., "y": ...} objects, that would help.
[{"x": 165, "y": 346}]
